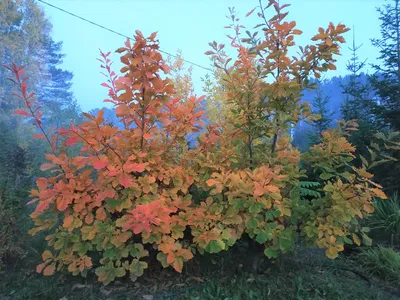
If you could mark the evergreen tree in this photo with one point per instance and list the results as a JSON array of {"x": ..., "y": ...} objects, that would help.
[
  {"x": 355, "y": 91},
  {"x": 55, "y": 93},
  {"x": 319, "y": 107},
  {"x": 358, "y": 95},
  {"x": 386, "y": 81}
]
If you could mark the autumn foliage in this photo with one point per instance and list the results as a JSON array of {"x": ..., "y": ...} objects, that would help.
[{"x": 139, "y": 190}]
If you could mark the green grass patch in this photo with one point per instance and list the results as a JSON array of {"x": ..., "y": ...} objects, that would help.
[
  {"x": 306, "y": 275},
  {"x": 383, "y": 262}
]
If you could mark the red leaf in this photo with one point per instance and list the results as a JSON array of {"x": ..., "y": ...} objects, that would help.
[
  {"x": 21, "y": 112},
  {"x": 42, "y": 206},
  {"x": 147, "y": 136},
  {"x": 72, "y": 140},
  {"x": 100, "y": 163},
  {"x": 125, "y": 180},
  {"x": 39, "y": 136}
]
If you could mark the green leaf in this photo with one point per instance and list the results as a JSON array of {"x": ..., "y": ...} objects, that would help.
[
  {"x": 329, "y": 188},
  {"x": 252, "y": 224},
  {"x": 255, "y": 208},
  {"x": 284, "y": 243},
  {"x": 325, "y": 176},
  {"x": 120, "y": 272},
  {"x": 137, "y": 267},
  {"x": 366, "y": 239},
  {"x": 215, "y": 246},
  {"x": 276, "y": 196},
  {"x": 262, "y": 237},
  {"x": 364, "y": 161},
  {"x": 276, "y": 213},
  {"x": 270, "y": 253},
  {"x": 269, "y": 215}
]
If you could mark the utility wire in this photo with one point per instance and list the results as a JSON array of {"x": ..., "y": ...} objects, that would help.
[{"x": 115, "y": 32}]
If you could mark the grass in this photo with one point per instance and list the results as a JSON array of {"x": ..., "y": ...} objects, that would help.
[
  {"x": 306, "y": 275},
  {"x": 387, "y": 216},
  {"x": 383, "y": 262}
]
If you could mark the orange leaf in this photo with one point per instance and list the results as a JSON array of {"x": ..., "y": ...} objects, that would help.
[
  {"x": 271, "y": 188},
  {"x": 40, "y": 267},
  {"x": 133, "y": 167},
  {"x": 89, "y": 218},
  {"x": 46, "y": 255},
  {"x": 170, "y": 257},
  {"x": 101, "y": 214},
  {"x": 147, "y": 136},
  {"x": 62, "y": 203},
  {"x": 68, "y": 221},
  {"x": 49, "y": 270},
  {"x": 88, "y": 262},
  {"x": 368, "y": 208},
  {"x": 258, "y": 190},
  {"x": 379, "y": 193},
  {"x": 211, "y": 182}
]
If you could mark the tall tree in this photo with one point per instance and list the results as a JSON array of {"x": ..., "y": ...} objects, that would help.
[
  {"x": 358, "y": 95},
  {"x": 55, "y": 92},
  {"x": 319, "y": 107},
  {"x": 386, "y": 81}
]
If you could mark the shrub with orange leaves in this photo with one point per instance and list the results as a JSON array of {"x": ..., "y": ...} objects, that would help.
[
  {"x": 139, "y": 189},
  {"x": 128, "y": 187}
]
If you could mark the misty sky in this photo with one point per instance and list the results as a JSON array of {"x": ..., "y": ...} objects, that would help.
[{"x": 188, "y": 25}]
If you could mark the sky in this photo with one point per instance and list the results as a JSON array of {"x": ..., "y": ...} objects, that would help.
[{"x": 189, "y": 25}]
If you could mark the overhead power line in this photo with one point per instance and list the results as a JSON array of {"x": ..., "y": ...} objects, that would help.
[{"x": 118, "y": 33}]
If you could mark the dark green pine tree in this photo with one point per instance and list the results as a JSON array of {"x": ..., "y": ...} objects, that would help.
[
  {"x": 386, "y": 80},
  {"x": 355, "y": 91},
  {"x": 358, "y": 94},
  {"x": 319, "y": 106},
  {"x": 58, "y": 100}
]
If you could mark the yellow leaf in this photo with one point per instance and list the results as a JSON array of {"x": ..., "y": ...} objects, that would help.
[
  {"x": 331, "y": 252},
  {"x": 356, "y": 239},
  {"x": 364, "y": 173},
  {"x": 46, "y": 255}
]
